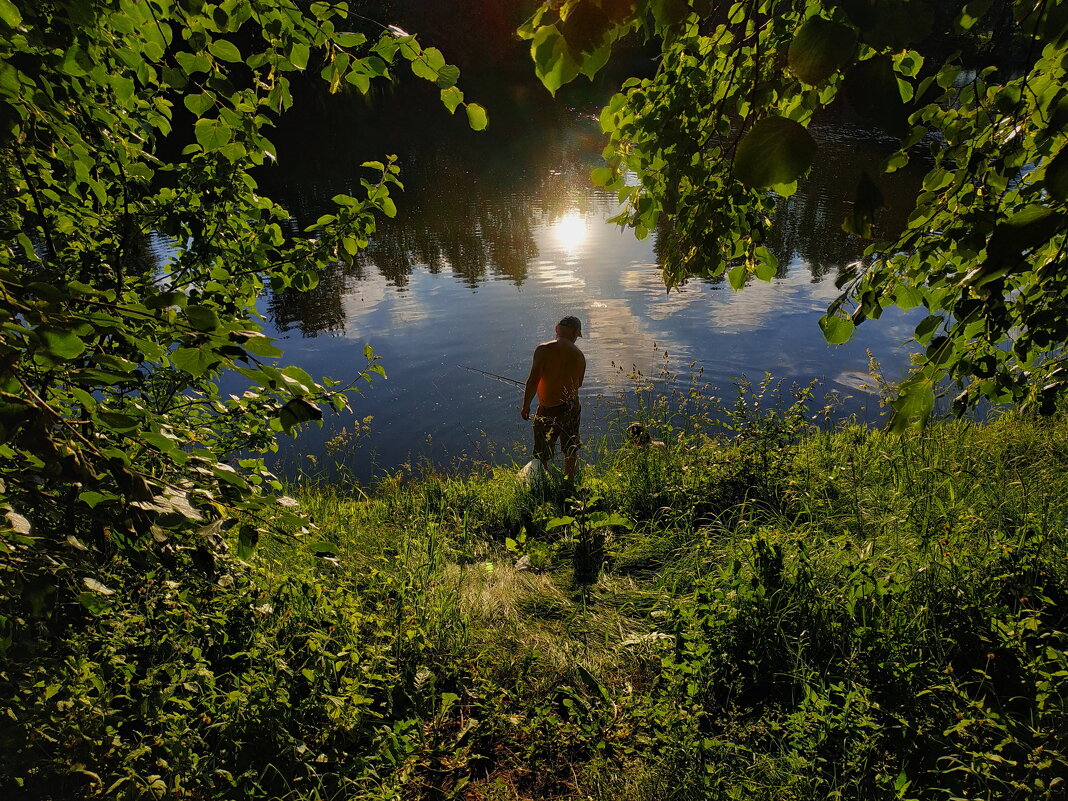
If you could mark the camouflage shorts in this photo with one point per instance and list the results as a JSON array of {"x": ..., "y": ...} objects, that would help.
[{"x": 552, "y": 422}]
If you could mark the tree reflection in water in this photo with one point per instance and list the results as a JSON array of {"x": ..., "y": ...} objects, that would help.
[{"x": 473, "y": 202}]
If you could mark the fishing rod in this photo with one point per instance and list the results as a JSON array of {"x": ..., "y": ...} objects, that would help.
[{"x": 492, "y": 375}]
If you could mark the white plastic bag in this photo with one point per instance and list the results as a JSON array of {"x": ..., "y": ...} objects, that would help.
[{"x": 531, "y": 472}]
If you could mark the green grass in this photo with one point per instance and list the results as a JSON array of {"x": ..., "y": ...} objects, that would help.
[{"x": 773, "y": 612}]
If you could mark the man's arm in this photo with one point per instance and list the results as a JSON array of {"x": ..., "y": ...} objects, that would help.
[{"x": 531, "y": 388}]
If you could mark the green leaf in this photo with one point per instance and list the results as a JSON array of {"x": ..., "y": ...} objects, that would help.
[
  {"x": 193, "y": 62},
  {"x": 775, "y": 151},
  {"x": 202, "y": 318},
  {"x": 9, "y": 13},
  {"x": 553, "y": 62},
  {"x": 925, "y": 327},
  {"x": 323, "y": 547},
  {"x": 907, "y": 297},
  {"x": 59, "y": 342},
  {"x": 448, "y": 75},
  {"x": 836, "y": 330},
  {"x": 297, "y": 411},
  {"x": 224, "y": 49},
  {"x": 247, "y": 539},
  {"x": 476, "y": 117},
  {"x": 434, "y": 59},
  {"x": 300, "y": 376},
  {"x": 736, "y": 276},
  {"x": 1028, "y": 228},
  {"x": 199, "y": 103},
  {"x": 914, "y": 404},
  {"x": 668, "y": 13},
  {"x": 212, "y": 134},
  {"x": 76, "y": 62},
  {"x": 819, "y": 49},
  {"x": 1056, "y": 180},
  {"x": 585, "y": 28},
  {"x": 299, "y": 54},
  {"x": 92, "y": 601},
  {"x": 349, "y": 39},
  {"x": 159, "y": 441},
  {"x": 451, "y": 98},
  {"x": 602, "y": 176},
  {"x": 195, "y": 361},
  {"x": 261, "y": 346},
  {"x": 611, "y": 519},
  {"x": 767, "y": 264},
  {"x": 123, "y": 87},
  {"x": 559, "y": 522},
  {"x": 116, "y": 421}
]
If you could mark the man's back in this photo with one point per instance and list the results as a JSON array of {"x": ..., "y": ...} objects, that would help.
[{"x": 561, "y": 369}]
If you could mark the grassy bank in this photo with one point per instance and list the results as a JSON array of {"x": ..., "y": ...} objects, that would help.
[{"x": 774, "y": 613}]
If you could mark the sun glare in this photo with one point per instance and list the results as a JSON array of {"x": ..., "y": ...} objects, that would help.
[{"x": 570, "y": 231}]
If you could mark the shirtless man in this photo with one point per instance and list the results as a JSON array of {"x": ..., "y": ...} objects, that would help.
[{"x": 555, "y": 376}]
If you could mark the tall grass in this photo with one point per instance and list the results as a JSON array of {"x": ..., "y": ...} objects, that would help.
[{"x": 756, "y": 609}]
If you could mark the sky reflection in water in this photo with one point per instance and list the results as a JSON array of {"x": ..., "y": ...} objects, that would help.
[{"x": 500, "y": 236}]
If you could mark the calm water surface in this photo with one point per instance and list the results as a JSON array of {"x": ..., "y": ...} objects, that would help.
[{"x": 499, "y": 235}]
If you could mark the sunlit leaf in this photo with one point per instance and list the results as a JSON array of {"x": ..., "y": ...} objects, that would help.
[
  {"x": 93, "y": 602},
  {"x": 225, "y": 50},
  {"x": 602, "y": 176},
  {"x": 914, "y": 404},
  {"x": 298, "y": 55},
  {"x": 476, "y": 117},
  {"x": 451, "y": 98},
  {"x": 60, "y": 342},
  {"x": 202, "y": 318},
  {"x": 9, "y": 13},
  {"x": 212, "y": 134},
  {"x": 18, "y": 523},
  {"x": 123, "y": 86},
  {"x": 554, "y": 63},
  {"x": 736, "y": 276},
  {"x": 836, "y": 330},
  {"x": 559, "y": 522},
  {"x": 96, "y": 586},
  {"x": 76, "y": 61},
  {"x": 195, "y": 361}
]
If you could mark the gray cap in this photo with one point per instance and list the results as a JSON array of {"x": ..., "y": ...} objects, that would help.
[{"x": 572, "y": 322}]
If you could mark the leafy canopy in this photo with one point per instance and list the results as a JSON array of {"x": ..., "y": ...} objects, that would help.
[
  {"x": 720, "y": 134},
  {"x": 128, "y": 127}
]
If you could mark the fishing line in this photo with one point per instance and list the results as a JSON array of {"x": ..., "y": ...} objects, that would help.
[{"x": 493, "y": 375}]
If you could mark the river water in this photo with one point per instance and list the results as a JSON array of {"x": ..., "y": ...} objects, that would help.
[{"x": 498, "y": 235}]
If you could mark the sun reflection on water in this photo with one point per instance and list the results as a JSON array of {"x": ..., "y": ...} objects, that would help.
[{"x": 570, "y": 232}]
